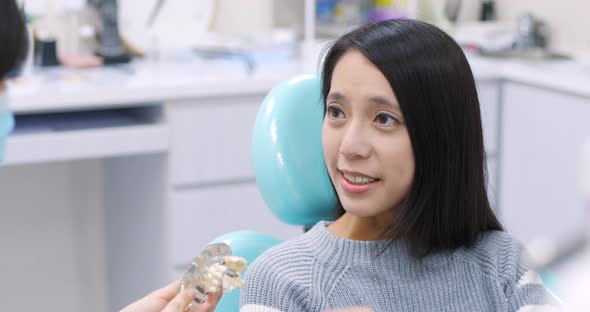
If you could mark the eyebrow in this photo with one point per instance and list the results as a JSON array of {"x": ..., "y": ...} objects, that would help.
[{"x": 379, "y": 100}]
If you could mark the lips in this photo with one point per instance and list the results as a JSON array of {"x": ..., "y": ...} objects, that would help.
[
  {"x": 352, "y": 173},
  {"x": 358, "y": 179},
  {"x": 355, "y": 182}
]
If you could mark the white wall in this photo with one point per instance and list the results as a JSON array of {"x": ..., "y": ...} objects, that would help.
[
  {"x": 569, "y": 20},
  {"x": 243, "y": 17}
]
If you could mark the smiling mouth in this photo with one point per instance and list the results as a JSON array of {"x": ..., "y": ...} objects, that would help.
[{"x": 358, "y": 179}]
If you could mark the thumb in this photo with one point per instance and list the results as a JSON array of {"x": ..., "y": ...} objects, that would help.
[
  {"x": 181, "y": 301},
  {"x": 213, "y": 299},
  {"x": 210, "y": 304}
]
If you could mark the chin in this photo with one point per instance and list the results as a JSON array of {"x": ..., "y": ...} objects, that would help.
[{"x": 358, "y": 210}]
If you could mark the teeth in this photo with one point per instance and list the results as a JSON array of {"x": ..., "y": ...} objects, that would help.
[{"x": 358, "y": 179}]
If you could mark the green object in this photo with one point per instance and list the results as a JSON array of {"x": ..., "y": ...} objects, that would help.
[
  {"x": 550, "y": 281},
  {"x": 248, "y": 245},
  {"x": 288, "y": 156},
  {"x": 6, "y": 122}
]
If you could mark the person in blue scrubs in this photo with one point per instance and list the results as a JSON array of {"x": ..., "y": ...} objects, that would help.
[{"x": 13, "y": 51}]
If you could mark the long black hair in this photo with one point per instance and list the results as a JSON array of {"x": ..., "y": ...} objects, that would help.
[
  {"x": 13, "y": 37},
  {"x": 447, "y": 206}
]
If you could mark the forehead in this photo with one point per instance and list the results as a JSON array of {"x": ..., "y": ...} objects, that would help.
[
  {"x": 355, "y": 76},
  {"x": 354, "y": 71}
]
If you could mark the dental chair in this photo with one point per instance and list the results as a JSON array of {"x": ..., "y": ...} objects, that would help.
[{"x": 289, "y": 166}]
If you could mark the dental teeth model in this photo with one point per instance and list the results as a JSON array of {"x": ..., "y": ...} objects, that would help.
[{"x": 214, "y": 267}]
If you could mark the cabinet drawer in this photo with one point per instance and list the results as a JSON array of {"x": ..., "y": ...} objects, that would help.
[
  {"x": 489, "y": 99},
  {"x": 492, "y": 184},
  {"x": 211, "y": 141},
  {"x": 200, "y": 215},
  {"x": 543, "y": 134}
]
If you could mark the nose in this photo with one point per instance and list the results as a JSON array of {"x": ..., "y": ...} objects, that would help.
[{"x": 355, "y": 142}]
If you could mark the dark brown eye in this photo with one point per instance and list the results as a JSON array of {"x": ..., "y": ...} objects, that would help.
[
  {"x": 335, "y": 112},
  {"x": 386, "y": 119}
]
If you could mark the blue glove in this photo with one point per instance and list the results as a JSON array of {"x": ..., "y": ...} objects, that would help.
[{"x": 6, "y": 123}]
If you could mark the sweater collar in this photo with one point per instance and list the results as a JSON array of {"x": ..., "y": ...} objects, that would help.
[
  {"x": 330, "y": 248},
  {"x": 389, "y": 254}
]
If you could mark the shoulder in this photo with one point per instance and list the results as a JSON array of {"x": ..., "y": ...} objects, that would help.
[
  {"x": 504, "y": 259},
  {"x": 286, "y": 254},
  {"x": 496, "y": 253},
  {"x": 280, "y": 276}
]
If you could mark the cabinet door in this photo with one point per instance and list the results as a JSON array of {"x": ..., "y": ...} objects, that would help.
[
  {"x": 211, "y": 140},
  {"x": 492, "y": 189},
  {"x": 488, "y": 92},
  {"x": 542, "y": 136},
  {"x": 200, "y": 215}
]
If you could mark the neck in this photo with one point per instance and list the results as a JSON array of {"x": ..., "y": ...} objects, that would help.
[
  {"x": 2, "y": 85},
  {"x": 361, "y": 228}
]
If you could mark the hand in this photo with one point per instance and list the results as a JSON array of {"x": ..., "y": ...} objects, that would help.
[{"x": 166, "y": 300}]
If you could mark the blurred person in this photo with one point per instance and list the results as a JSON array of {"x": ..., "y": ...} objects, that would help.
[{"x": 13, "y": 50}]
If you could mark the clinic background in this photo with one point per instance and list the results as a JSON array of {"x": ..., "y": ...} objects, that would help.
[{"x": 132, "y": 142}]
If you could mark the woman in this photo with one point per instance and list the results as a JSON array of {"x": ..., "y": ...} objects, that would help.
[{"x": 403, "y": 145}]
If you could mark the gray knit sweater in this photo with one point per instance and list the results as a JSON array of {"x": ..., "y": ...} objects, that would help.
[{"x": 319, "y": 271}]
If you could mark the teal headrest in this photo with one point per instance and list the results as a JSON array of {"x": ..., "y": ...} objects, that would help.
[{"x": 287, "y": 151}]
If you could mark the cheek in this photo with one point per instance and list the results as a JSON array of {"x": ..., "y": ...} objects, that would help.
[
  {"x": 401, "y": 160},
  {"x": 407, "y": 165},
  {"x": 329, "y": 144}
]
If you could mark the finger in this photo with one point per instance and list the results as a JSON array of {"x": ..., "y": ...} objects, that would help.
[
  {"x": 210, "y": 304},
  {"x": 213, "y": 299},
  {"x": 181, "y": 301},
  {"x": 168, "y": 292}
]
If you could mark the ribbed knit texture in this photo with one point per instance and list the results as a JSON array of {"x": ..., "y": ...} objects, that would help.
[{"x": 319, "y": 271}]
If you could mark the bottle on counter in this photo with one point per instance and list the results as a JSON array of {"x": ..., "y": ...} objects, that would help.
[{"x": 488, "y": 10}]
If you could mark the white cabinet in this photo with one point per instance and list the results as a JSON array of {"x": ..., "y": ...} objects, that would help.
[
  {"x": 87, "y": 143},
  {"x": 200, "y": 215},
  {"x": 212, "y": 182},
  {"x": 492, "y": 186},
  {"x": 488, "y": 92},
  {"x": 211, "y": 139},
  {"x": 542, "y": 136}
]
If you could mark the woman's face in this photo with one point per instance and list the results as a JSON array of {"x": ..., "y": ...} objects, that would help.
[{"x": 367, "y": 148}]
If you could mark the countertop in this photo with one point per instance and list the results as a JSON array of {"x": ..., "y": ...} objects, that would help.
[
  {"x": 570, "y": 76},
  {"x": 66, "y": 89}
]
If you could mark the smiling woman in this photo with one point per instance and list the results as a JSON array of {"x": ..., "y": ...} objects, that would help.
[
  {"x": 402, "y": 142},
  {"x": 430, "y": 153}
]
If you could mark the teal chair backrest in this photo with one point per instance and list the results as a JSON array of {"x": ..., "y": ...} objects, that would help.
[{"x": 289, "y": 166}]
